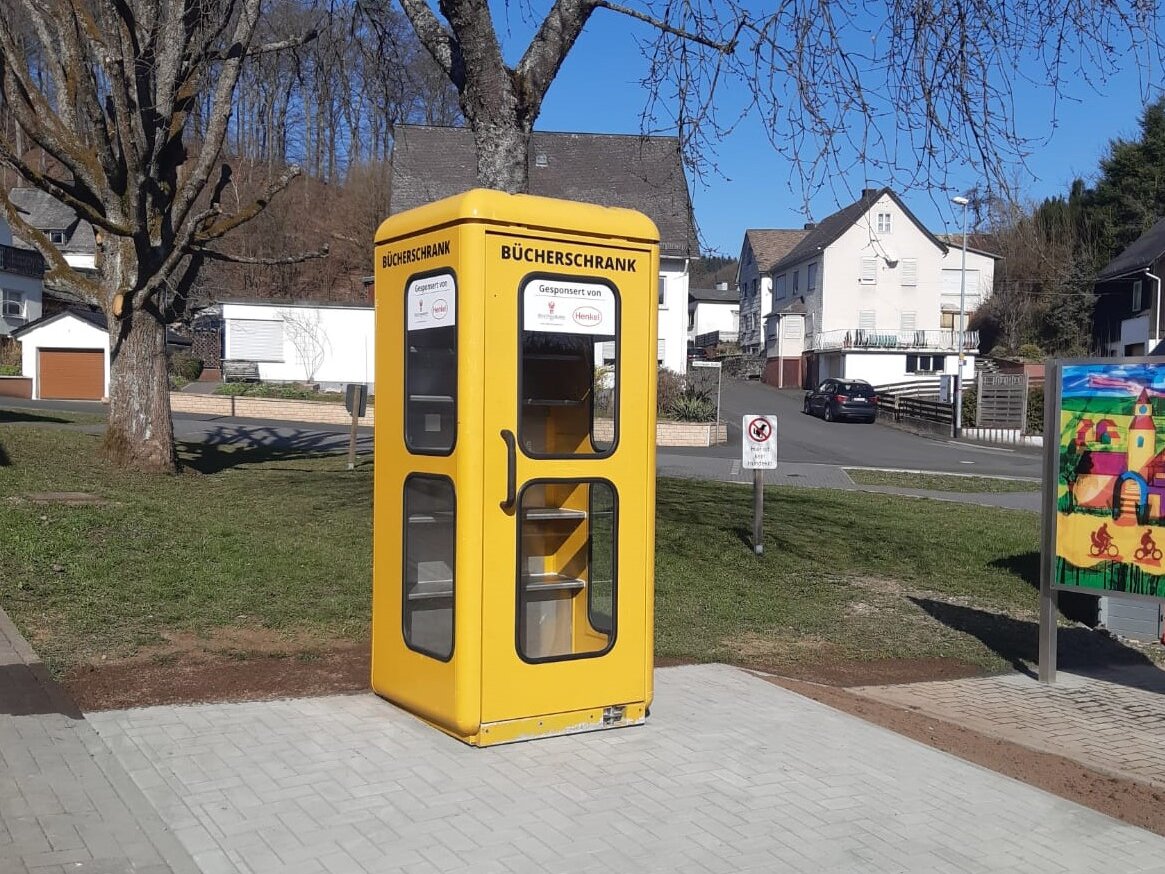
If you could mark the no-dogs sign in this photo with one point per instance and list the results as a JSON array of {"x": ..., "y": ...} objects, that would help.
[{"x": 760, "y": 442}]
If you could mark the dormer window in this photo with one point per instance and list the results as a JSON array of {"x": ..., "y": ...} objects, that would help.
[
  {"x": 57, "y": 238},
  {"x": 883, "y": 223}
]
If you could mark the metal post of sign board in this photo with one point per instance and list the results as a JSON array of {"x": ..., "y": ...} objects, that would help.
[
  {"x": 356, "y": 401},
  {"x": 759, "y": 450},
  {"x": 1047, "y": 639},
  {"x": 719, "y": 371}
]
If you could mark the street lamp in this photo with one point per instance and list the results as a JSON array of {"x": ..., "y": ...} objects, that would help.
[{"x": 961, "y": 201}]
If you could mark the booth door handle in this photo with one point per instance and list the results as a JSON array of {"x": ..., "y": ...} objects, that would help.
[{"x": 511, "y": 469}]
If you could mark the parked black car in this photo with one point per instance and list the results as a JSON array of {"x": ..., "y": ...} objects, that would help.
[{"x": 843, "y": 399}]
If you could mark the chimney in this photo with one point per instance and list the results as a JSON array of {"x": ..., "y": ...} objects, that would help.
[
  {"x": 869, "y": 192},
  {"x": 810, "y": 225},
  {"x": 722, "y": 286}
]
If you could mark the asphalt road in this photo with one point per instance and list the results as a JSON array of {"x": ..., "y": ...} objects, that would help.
[
  {"x": 805, "y": 444},
  {"x": 808, "y": 440}
]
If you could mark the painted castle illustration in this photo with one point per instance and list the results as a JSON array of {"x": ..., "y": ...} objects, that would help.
[{"x": 1129, "y": 481}]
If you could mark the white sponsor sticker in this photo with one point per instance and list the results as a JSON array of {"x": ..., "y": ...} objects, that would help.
[
  {"x": 432, "y": 302},
  {"x": 566, "y": 307}
]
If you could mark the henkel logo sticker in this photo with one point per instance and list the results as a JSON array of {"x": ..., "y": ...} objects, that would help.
[
  {"x": 567, "y": 306},
  {"x": 432, "y": 302},
  {"x": 587, "y": 316}
]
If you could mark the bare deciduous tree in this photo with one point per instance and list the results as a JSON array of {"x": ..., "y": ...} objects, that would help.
[
  {"x": 907, "y": 87},
  {"x": 107, "y": 89}
]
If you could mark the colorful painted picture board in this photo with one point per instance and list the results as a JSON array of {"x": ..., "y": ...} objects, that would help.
[{"x": 1109, "y": 489}]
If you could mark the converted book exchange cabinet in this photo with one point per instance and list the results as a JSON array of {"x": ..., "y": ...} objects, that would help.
[{"x": 514, "y": 506}]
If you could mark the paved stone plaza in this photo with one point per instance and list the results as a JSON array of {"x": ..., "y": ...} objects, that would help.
[{"x": 730, "y": 774}]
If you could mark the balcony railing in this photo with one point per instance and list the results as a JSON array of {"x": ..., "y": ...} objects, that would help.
[
  {"x": 928, "y": 341},
  {"x": 23, "y": 261}
]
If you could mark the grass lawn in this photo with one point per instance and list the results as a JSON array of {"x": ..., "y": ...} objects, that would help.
[
  {"x": 283, "y": 542},
  {"x": 938, "y": 482}
]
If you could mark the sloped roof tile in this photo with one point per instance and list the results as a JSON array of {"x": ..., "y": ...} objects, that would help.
[
  {"x": 1140, "y": 255},
  {"x": 770, "y": 245},
  {"x": 830, "y": 228},
  {"x": 644, "y": 173}
]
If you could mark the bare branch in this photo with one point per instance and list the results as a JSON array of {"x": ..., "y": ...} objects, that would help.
[
  {"x": 725, "y": 47},
  {"x": 215, "y": 255}
]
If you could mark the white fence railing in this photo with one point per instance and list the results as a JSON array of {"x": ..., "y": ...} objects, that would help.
[{"x": 925, "y": 341}]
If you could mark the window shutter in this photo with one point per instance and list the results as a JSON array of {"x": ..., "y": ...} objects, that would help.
[
  {"x": 793, "y": 328},
  {"x": 255, "y": 340},
  {"x": 660, "y": 349},
  {"x": 910, "y": 271},
  {"x": 869, "y": 274},
  {"x": 867, "y": 320},
  {"x": 909, "y": 319}
]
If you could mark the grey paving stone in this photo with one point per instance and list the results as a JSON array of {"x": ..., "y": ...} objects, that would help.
[{"x": 730, "y": 774}]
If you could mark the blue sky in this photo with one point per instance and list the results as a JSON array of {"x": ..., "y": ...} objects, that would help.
[{"x": 598, "y": 91}]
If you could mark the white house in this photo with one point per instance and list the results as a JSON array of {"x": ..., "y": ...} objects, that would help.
[
  {"x": 762, "y": 248},
  {"x": 20, "y": 283},
  {"x": 713, "y": 315},
  {"x": 327, "y": 343},
  {"x": 869, "y": 293},
  {"x": 71, "y": 235}
]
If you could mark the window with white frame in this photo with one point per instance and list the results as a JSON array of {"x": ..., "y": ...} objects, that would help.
[
  {"x": 811, "y": 278},
  {"x": 796, "y": 282},
  {"x": 867, "y": 320},
  {"x": 925, "y": 363},
  {"x": 909, "y": 271},
  {"x": 662, "y": 293},
  {"x": 908, "y": 320},
  {"x": 13, "y": 304},
  {"x": 793, "y": 328},
  {"x": 869, "y": 272},
  {"x": 1137, "y": 302},
  {"x": 883, "y": 223},
  {"x": 58, "y": 238},
  {"x": 780, "y": 286}
]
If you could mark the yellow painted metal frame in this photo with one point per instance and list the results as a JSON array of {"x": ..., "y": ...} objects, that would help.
[{"x": 486, "y": 693}]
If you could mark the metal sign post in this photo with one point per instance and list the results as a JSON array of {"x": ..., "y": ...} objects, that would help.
[
  {"x": 356, "y": 403},
  {"x": 759, "y": 453}
]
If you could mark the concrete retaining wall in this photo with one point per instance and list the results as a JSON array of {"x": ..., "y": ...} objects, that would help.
[
  {"x": 15, "y": 387},
  {"x": 666, "y": 433}
]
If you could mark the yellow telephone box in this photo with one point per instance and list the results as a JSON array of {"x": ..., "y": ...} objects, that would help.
[{"x": 514, "y": 516}]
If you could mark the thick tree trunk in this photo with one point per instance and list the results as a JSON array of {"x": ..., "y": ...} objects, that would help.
[
  {"x": 502, "y": 156},
  {"x": 140, "y": 435}
]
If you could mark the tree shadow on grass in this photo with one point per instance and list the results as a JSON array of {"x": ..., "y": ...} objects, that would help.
[
  {"x": 9, "y": 416},
  {"x": 1078, "y": 650},
  {"x": 227, "y": 447}
]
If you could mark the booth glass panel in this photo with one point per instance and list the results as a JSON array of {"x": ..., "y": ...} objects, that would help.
[
  {"x": 569, "y": 368},
  {"x": 567, "y": 584},
  {"x": 430, "y": 528},
  {"x": 431, "y": 365}
]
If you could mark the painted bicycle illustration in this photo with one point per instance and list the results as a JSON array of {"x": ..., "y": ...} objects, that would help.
[
  {"x": 1102, "y": 544},
  {"x": 1148, "y": 547}
]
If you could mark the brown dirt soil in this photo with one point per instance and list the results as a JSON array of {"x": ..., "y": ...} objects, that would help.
[{"x": 189, "y": 670}]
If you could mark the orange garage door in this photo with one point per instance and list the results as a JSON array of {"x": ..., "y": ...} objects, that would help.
[{"x": 72, "y": 374}]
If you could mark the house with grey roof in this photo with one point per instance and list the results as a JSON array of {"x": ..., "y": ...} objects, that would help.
[
  {"x": 869, "y": 293},
  {"x": 644, "y": 173},
  {"x": 761, "y": 249},
  {"x": 713, "y": 315},
  {"x": 71, "y": 235},
  {"x": 21, "y": 279},
  {"x": 1127, "y": 319}
]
